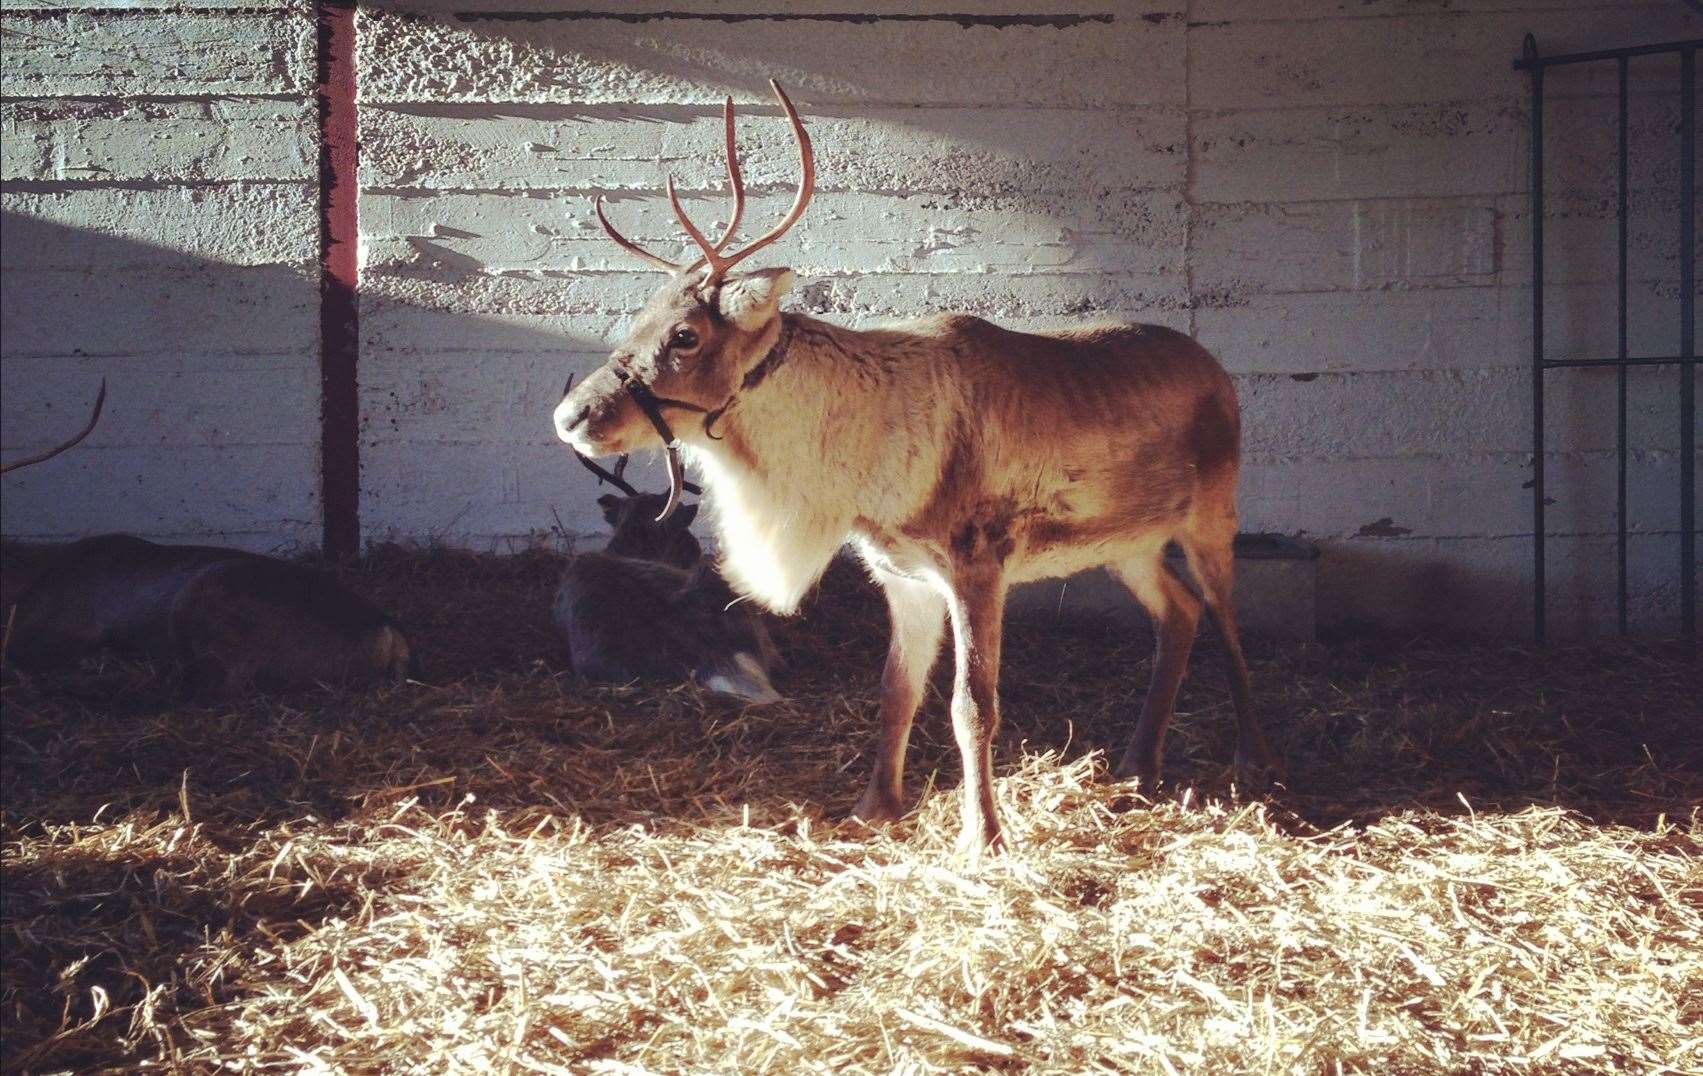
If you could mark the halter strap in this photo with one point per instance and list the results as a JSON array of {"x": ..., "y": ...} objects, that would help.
[{"x": 754, "y": 376}]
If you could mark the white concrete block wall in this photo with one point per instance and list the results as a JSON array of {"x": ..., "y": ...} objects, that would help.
[
  {"x": 1330, "y": 193},
  {"x": 160, "y": 229}
]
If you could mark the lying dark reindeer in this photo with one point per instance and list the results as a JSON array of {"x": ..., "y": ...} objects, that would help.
[
  {"x": 222, "y": 620},
  {"x": 651, "y": 608}
]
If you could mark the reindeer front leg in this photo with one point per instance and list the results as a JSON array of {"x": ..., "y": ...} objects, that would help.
[
  {"x": 918, "y": 614},
  {"x": 977, "y": 608}
]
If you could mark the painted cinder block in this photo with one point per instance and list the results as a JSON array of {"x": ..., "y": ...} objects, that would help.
[
  {"x": 263, "y": 497},
  {"x": 1443, "y": 412},
  {"x": 158, "y": 141},
  {"x": 99, "y": 229},
  {"x": 1430, "y": 328},
  {"x": 499, "y": 496},
  {"x": 171, "y": 310},
  {"x": 484, "y": 398},
  {"x": 1464, "y": 495},
  {"x": 987, "y": 151},
  {"x": 170, "y": 398},
  {"x": 123, "y": 53},
  {"x": 1131, "y": 231},
  {"x": 1409, "y": 60},
  {"x": 1446, "y": 150},
  {"x": 1324, "y": 246},
  {"x": 590, "y": 60}
]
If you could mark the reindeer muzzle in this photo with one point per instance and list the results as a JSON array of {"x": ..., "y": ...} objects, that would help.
[{"x": 651, "y": 404}]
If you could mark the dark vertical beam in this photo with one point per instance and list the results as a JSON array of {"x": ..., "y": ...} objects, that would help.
[
  {"x": 339, "y": 312},
  {"x": 1687, "y": 341},
  {"x": 1620, "y": 374},
  {"x": 1538, "y": 592}
]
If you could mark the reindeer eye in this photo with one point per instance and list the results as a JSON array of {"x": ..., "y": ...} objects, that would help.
[{"x": 683, "y": 340}]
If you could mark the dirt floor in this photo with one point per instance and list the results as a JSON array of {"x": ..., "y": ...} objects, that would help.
[{"x": 1486, "y": 858}]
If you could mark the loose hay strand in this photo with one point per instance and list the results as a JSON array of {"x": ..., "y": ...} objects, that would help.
[{"x": 503, "y": 870}]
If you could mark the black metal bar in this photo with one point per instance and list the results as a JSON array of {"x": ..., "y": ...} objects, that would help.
[
  {"x": 1636, "y": 360},
  {"x": 1533, "y": 62},
  {"x": 1620, "y": 377},
  {"x": 1687, "y": 340},
  {"x": 1538, "y": 593}
]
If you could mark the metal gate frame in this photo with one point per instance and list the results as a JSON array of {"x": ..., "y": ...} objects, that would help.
[{"x": 1686, "y": 359}]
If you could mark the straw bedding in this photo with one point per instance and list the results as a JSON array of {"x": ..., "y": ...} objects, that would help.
[{"x": 1486, "y": 859}]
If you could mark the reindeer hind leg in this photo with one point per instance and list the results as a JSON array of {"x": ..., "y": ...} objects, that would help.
[
  {"x": 1175, "y": 612},
  {"x": 1211, "y": 558}
]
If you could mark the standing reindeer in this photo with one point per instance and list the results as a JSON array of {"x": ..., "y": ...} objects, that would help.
[{"x": 958, "y": 457}]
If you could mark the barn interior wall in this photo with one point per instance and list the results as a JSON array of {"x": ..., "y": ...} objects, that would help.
[
  {"x": 1330, "y": 194},
  {"x": 160, "y": 230}
]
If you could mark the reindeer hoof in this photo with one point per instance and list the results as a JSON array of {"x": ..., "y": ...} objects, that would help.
[
  {"x": 973, "y": 844},
  {"x": 876, "y": 810},
  {"x": 1145, "y": 773}
]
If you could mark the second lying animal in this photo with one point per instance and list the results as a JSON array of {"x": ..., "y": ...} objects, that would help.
[
  {"x": 651, "y": 608},
  {"x": 221, "y": 620}
]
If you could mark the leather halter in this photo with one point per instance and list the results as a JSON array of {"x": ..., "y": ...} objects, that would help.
[{"x": 652, "y": 404}]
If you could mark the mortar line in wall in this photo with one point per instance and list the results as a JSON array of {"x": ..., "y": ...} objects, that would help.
[
  {"x": 967, "y": 20},
  {"x": 856, "y": 110},
  {"x": 127, "y": 11},
  {"x": 302, "y": 97},
  {"x": 544, "y": 192},
  {"x": 52, "y": 186},
  {"x": 1493, "y": 536},
  {"x": 1512, "y": 9}
]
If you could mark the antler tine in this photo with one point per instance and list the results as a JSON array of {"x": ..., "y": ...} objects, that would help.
[
  {"x": 628, "y": 245},
  {"x": 604, "y": 476},
  {"x": 43, "y": 457},
  {"x": 806, "y": 187},
  {"x": 711, "y": 257},
  {"x": 735, "y": 180}
]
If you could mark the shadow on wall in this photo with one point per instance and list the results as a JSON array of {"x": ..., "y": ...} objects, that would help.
[{"x": 211, "y": 429}]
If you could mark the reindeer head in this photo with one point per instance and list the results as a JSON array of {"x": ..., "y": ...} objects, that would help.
[
  {"x": 693, "y": 345},
  {"x": 639, "y": 530},
  {"x": 637, "y": 533}
]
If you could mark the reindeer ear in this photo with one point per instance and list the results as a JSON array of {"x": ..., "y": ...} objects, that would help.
[
  {"x": 749, "y": 300},
  {"x": 611, "y": 506},
  {"x": 684, "y": 515}
]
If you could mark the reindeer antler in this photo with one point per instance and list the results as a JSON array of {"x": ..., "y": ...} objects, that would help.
[
  {"x": 712, "y": 252},
  {"x": 42, "y": 457},
  {"x": 727, "y": 233}
]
